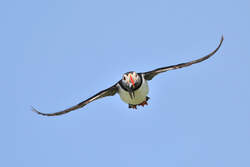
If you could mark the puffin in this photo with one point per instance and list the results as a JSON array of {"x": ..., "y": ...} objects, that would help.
[{"x": 132, "y": 88}]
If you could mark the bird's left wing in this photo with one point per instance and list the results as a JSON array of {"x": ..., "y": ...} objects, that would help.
[
  {"x": 150, "y": 74},
  {"x": 107, "y": 92}
]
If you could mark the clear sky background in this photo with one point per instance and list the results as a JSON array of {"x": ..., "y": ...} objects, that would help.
[{"x": 54, "y": 54}]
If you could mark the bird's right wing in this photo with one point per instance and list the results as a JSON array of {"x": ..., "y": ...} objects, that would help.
[{"x": 107, "y": 92}]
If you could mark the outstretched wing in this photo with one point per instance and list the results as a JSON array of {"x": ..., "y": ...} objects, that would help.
[
  {"x": 107, "y": 92},
  {"x": 150, "y": 74}
]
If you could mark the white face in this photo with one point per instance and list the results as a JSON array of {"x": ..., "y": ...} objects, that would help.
[{"x": 130, "y": 79}]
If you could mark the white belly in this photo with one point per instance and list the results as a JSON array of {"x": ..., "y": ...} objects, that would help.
[{"x": 140, "y": 94}]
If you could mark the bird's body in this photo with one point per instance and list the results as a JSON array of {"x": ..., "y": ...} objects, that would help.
[
  {"x": 133, "y": 87},
  {"x": 140, "y": 94}
]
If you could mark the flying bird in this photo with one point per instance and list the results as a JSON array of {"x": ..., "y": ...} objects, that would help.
[{"x": 133, "y": 87}]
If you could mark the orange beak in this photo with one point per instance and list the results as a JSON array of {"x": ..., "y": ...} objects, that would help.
[{"x": 132, "y": 81}]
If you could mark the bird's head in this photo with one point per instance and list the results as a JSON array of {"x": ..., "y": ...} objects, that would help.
[{"x": 131, "y": 81}]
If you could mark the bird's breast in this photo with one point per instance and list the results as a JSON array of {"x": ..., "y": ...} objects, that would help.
[{"x": 140, "y": 94}]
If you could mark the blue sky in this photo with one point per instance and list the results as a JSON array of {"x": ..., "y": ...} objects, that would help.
[{"x": 62, "y": 52}]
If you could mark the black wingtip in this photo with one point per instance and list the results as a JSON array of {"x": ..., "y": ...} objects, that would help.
[
  {"x": 218, "y": 47},
  {"x": 36, "y": 111},
  {"x": 222, "y": 37},
  {"x": 33, "y": 109}
]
